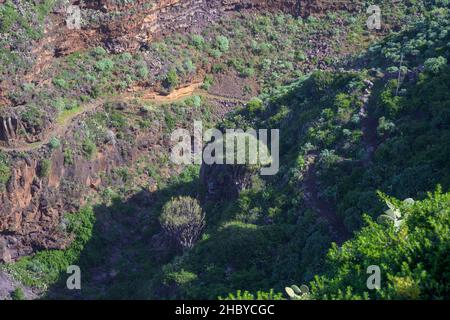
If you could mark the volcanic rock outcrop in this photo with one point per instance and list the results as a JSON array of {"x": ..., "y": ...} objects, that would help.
[
  {"x": 32, "y": 206},
  {"x": 129, "y": 31}
]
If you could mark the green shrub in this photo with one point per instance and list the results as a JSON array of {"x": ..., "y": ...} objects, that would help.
[
  {"x": 218, "y": 68},
  {"x": 435, "y": 65},
  {"x": 180, "y": 278},
  {"x": 126, "y": 56},
  {"x": 260, "y": 295},
  {"x": 104, "y": 65},
  {"x": 255, "y": 105},
  {"x": 5, "y": 170},
  {"x": 171, "y": 80},
  {"x": 189, "y": 66},
  {"x": 68, "y": 156},
  {"x": 89, "y": 148},
  {"x": 198, "y": 41},
  {"x": 215, "y": 53},
  {"x": 54, "y": 143},
  {"x": 61, "y": 83},
  {"x": 385, "y": 126},
  {"x": 413, "y": 257},
  {"x": 18, "y": 294},
  {"x": 390, "y": 103},
  {"x": 343, "y": 101},
  {"x": 207, "y": 82},
  {"x": 118, "y": 120},
  {"x": 194, "y": 101},
  {"x": 222, "y": 43},
  {"x": 45, "y": 267},
  {"x": 142, "y": 72},
  {"x": 392, "y": 69},
  {"x": 328, "y": 158},
  {"x": 248, "y": 72},
  {"x": 300, "y": 56},
  {"x": 44, "y": 168},
  {"x": 59, "y": 104},
  {"x": 99, "y": 51}
]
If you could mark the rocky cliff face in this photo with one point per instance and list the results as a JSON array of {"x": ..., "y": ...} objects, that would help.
[{"x": 32, "y": 206}]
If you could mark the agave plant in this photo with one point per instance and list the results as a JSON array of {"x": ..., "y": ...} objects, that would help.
[
  {"x": 296, "y": 293},
  {"x": 394, "y": 215}
]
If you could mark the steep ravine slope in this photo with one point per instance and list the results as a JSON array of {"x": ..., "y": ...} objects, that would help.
[{"x": 121, "y": 144}]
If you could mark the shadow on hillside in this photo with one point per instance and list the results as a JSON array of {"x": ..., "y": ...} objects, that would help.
[{"x": 125, "y": 247}]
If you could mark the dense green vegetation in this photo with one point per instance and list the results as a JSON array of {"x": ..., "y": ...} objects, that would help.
[
  {"x": 270, "y": 234},
  {"x": 413, "y": 259}
]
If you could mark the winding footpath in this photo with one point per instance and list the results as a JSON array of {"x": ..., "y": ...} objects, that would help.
[{"x": 58, "y": 130}]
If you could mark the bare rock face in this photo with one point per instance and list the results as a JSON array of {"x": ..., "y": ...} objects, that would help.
[
  {"x": 25, "y": 212},
  {"x": 224, "y": 182},
  {"x": 32, "y": 207}
]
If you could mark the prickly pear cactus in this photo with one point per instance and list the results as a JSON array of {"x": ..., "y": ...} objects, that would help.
[
  {"x": 296, "y": 293},
  {"x": 394, "y": 215}
]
